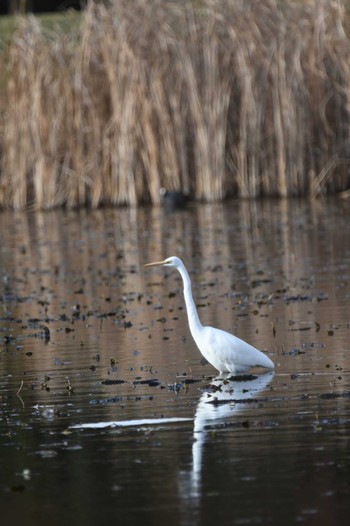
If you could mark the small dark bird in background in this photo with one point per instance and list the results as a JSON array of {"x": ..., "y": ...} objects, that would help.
[{"x": 173, "y": 198}]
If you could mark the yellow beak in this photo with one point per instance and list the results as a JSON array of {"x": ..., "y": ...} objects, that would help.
[{"x": 156, "y": 263}]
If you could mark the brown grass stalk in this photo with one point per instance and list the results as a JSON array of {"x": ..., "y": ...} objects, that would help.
[{"x": 219, "y": 99}]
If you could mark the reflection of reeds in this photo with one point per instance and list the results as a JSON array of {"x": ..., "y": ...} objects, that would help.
[{"x": 235, "y": 98}]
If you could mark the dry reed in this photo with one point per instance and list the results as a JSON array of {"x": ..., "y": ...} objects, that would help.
[{"x": 228, "y": 99}]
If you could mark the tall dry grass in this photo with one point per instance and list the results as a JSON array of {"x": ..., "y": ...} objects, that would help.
[{"x": 222, "y": 99}]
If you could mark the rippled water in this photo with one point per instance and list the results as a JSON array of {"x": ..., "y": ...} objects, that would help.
[{"x": 107, "y": 412}]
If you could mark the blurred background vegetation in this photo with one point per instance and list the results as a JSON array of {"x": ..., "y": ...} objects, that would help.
[
  {"x": 39, "y": 6},
  {"x": 216, "y": 98}
]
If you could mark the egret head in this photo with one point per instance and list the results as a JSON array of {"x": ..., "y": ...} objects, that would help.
[{"x": 173, "y": 261}]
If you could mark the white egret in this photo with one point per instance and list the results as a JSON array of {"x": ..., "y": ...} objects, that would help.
[{"x": 226, "y": 352}]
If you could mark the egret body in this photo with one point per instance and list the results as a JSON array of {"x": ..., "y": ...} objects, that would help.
[{"x": 226, "y": 352}]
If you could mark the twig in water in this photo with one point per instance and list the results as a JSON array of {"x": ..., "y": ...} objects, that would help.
[{"x": 19, "y": 390}]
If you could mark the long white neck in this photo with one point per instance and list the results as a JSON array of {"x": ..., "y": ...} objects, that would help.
[{"x": 192, "y": 314}]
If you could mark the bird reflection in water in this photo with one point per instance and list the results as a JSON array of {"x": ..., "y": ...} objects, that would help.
[{"x": 224, "y": 399}]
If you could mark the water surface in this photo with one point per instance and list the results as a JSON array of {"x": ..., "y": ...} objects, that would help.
[{"x": 108, "y": 413}]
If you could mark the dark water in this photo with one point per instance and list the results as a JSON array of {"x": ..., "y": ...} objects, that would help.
[{"x": 90, "y": 338}]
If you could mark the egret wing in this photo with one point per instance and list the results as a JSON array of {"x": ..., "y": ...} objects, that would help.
[{"x": 229, "y": 353}]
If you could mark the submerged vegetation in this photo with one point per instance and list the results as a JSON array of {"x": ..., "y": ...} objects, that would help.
[{"x": 227, "y": 99}]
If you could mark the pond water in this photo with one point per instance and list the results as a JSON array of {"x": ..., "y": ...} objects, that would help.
[{"x": 107, "y": 411}]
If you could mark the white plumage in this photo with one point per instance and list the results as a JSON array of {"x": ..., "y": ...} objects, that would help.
[{"x": 226, "y": 352}]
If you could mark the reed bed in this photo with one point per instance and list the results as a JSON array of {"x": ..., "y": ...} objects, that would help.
[{"x": 223, "y": 99}]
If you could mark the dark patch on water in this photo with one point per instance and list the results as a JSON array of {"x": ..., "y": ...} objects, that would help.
[
  {"x": 153, "y": 382},
  {"x": 237, "y": 401},
  {"x": 113, "y": 382}
]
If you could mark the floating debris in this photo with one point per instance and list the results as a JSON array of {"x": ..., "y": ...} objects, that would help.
[
  {"x": 329, "y": 396},
  {"x": 243, "y": 423},
  {"x": 231, "y": 401},
  {"x": 306, "y": 297},
  {"x": 70, "y": 388},
  {"x": 44, "y": 333},
  {"x": 293, "y": 352},
  {"x": 242, "y": 378},
  {"x": 153, "y": 382},
  {"x": 113, "y": 382}
]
